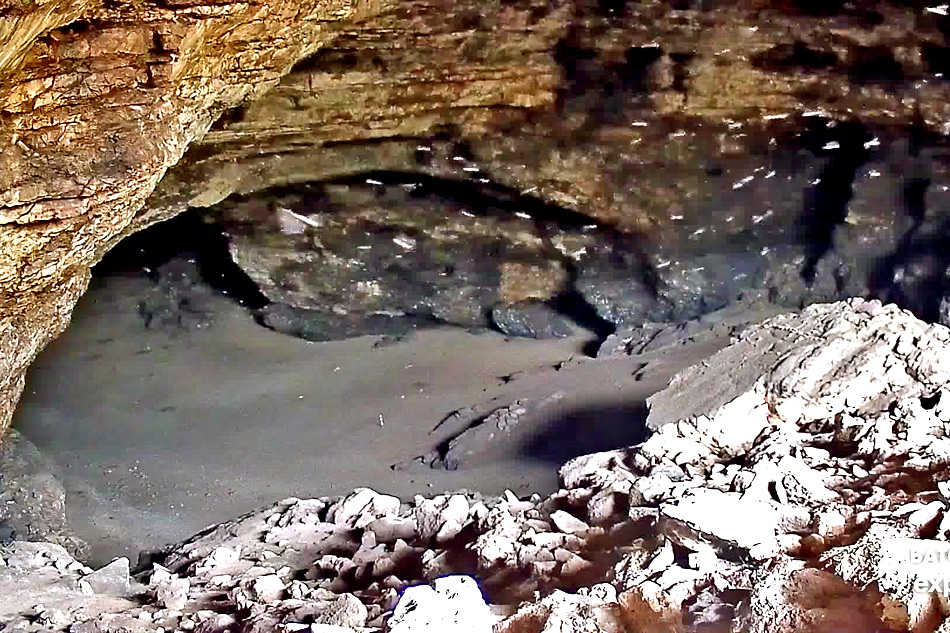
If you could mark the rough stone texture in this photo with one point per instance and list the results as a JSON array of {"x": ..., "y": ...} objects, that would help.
[
  {"x": 720, "y": 142},
  {"x": 452, "y": 601},
  {"x": 97, "y": 101},
  {"x": 652, "y": 117},
  {"x": 32, "y": 499},
  {"x": 818, "y": 468},
  {"x": 350, "y": 253}
]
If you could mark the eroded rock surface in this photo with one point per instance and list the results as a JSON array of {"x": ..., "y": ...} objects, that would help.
[
  {"x": 671, "y": 122},
  {"x": 721, "y": 142},
  {"x": 98, "y": 101}
]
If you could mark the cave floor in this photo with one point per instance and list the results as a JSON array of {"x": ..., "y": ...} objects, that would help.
[{"x": 157, "y": 433}]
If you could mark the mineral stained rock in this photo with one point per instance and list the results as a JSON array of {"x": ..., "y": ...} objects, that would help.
[
  {"x": 97, "y": 102},
  {"x": 825, "y": 456}
]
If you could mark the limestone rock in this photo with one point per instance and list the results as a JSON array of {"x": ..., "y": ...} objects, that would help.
[
  {"x": 111, "y": 579},
  {"x": 362, "y": 508},
  {"x": 72, "y": 185},
  {"x": 451, "y": 603},
  {"x": 568, "y": 613},
  {"x": 714, "y": 519},
  {"x": 170, "y": 590},
  {"x": 568, "y": 523}
]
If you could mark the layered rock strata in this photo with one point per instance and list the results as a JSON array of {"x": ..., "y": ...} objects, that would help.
[{"x": 638, "y": 116}]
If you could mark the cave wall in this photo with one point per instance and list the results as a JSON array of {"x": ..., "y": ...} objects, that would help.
[
  {"x": 97, "y": 101},
  {"x": 572, "y": 96},
  {"x": 583, "y": 103}
]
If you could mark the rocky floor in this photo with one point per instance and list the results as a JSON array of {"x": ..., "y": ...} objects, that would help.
[
  {"x": 166, "y": 408},
  {"x": 800, "y": 489}
]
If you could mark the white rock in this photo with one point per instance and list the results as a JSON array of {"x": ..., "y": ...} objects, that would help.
[
  {"x": 561, "y": 612},
  {"x": 111, "y": 579},
  {"x": 362, "y": 507},
  {"x": 453, "y": 518},
  {"x": 389, "y": 529},
  {"x": 595, "y": 468},
  {"x": 345, "y": 611},
  {"x": 268, "y": 588},
  {"x": 170, "y": 591},
  {"x": 451, "y": 604},
  {"x": 715, "y": 513},
  {"x": 927, "y": 515},
  {"x": 220, "y": 557},
  {"x": 568, "y": 524},
  {"x": 456, "y": 509},
  {"x": 904, "y": 568},
  {"x": 661, "y": 560},
  {"x": 831, "y": 523}
]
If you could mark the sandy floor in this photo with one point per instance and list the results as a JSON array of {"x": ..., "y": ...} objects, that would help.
[{"x": 159, "y": 433}]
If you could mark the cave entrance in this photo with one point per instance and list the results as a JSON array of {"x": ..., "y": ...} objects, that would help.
[{"x": 168, "y": 406}]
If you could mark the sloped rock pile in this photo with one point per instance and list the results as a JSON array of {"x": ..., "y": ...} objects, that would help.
[{"x": 796, "y": 481}]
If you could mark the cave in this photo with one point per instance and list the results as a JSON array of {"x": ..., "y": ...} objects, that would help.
[{"x": 297, "y": 256}]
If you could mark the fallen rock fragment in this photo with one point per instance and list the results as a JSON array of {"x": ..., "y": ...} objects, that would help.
[
  {"x": 171, "y": 591},
  {"x": 111, "y": 579},
  {"x": 452, "y": 603}
]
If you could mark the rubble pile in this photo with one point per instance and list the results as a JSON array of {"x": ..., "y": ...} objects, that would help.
[{"x": 802, "y": 487}]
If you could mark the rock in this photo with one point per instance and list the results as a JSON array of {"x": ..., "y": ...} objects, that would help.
[
  {"x": 220, "y": 558},
  {"x": 425, "y": 261},
  {"x": 170, "y": 590},
  {"x": 716, "y": 519},
  {"x": 111, "y": 579},
  {"x": 391, "y": 529},
  {"x": 32, "y": 498},
  {"x": 362, "y": 508},
  {"x": 454, "y": 517},
  {"x": 619, "y": 299},
  {"x": 451, "y": 603},
  {"x": 149, "y": 138},
  {"x": 531, "y": 162},
  {"x": 178, "y": 298},
  {"x": 595, "y": 468},
  {"x": 925, "y": 520},
  {"x": 789, "y": 596},
  {"x": 7, "y": 533},
  {"x": 909, "y": 570},
  {"x": 530, "y": 319},
  {"x": 568, "y": 613},
  {"x": 568, "y": 524},
  {"x": 268, "y": 588},
  {"x": 342, "y": 611},
  {"x": 318, "y": 325}
]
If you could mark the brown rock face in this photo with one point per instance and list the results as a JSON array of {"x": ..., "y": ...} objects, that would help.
[
  {"x": 96, "y": 102},
  {"x": 661, "y": 120}
]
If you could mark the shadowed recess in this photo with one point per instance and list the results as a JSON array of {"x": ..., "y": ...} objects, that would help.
[
  {"x": 826, "y": 203},
  {"x": 588, "y": 430},
  {"x": 186, "y": 233}
]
